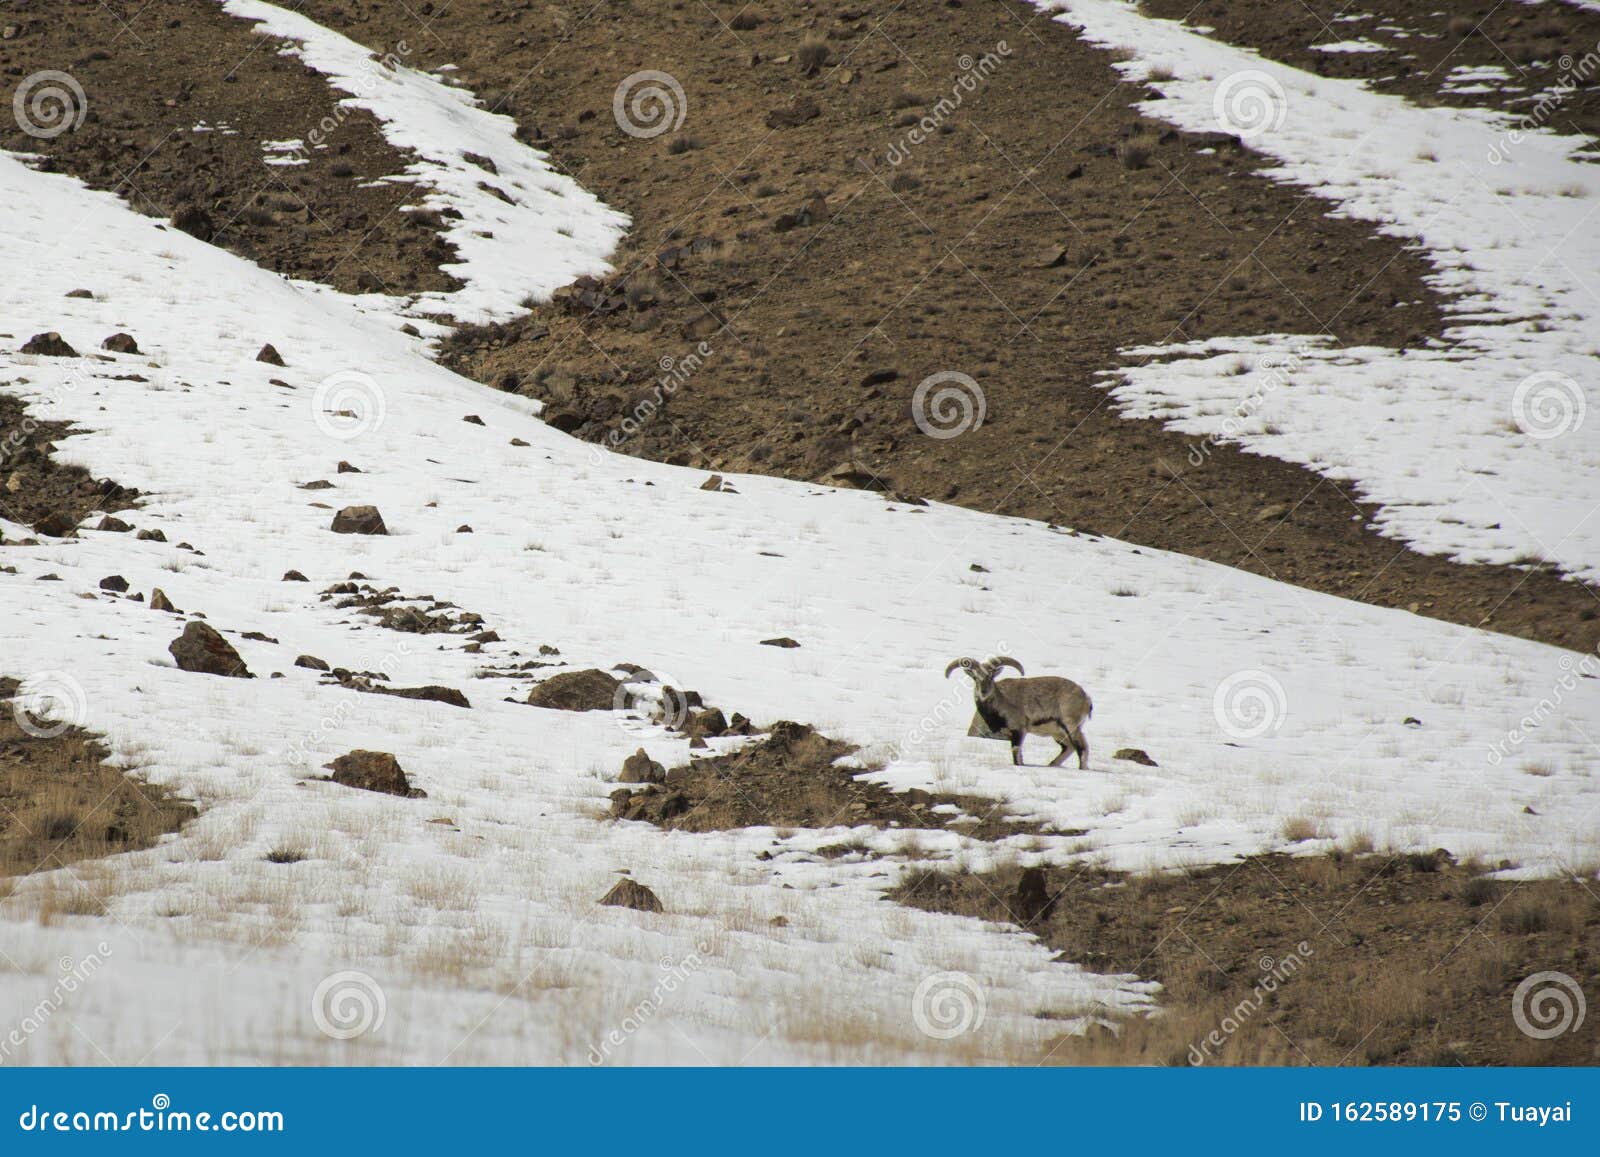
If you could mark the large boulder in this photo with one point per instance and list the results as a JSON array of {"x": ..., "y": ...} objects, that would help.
[
  {"x": 201, "y": 649},
  {"x": 587, "y": 690},
  {"x": 628, "y": 894},
  {"x": 359, "y": 520},
  {"x": 640, "y": 768},
  {"x": 374, "y": 771}
]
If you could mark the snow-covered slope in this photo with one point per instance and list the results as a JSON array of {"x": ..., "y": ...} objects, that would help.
[
  {"x": 523, "y": 229},
  {"x": 469, "y": 918},
  {"x": 1478, "y": 449}
]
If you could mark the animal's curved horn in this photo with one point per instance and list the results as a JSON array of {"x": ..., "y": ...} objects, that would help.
[
  {"x": 1000, "y": 661},
  {"x": 970, "y": 666}
]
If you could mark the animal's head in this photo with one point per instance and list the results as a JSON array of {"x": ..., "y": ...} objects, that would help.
[{"x": 983, "y": 673}]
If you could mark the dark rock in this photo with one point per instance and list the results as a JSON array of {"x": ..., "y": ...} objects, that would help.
[
  {"x": 704, "y": 724},
  {"x": 781, "y": 641},
  {"x": 1032, "y": 900},
  {"x": 311, "y": 662},
  {"x": 432, "y": 693},
  {"x": 269, "y": 355},
  {"x": 374, "y": 771},
  {"x": 346, "y": 468},
  {"x": 473, "y": 419},
  {"x": 1135, "y": 755},
  {"x": 359, "y": 520},
  {"x": 120, "y": 343},
  {"x": 160, "y": 602},
  {"x": 640, "y": 768},
  {"x": 195, "y": 221},
  {"x": 587, "y": 690},
  {"x": 115, "y": 525},
  {"x": 151, "y": 536},
  {"x": 202, "y": 650},
  {"x": 115, "y": 583},
  {"x": 57, "y": 525},
  {"x": 294, "y": 576},
  {"x": 49, "y": 345},
  {"x": 628, "y": 894}
]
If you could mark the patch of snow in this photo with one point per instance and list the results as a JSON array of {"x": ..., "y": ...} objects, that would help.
[
  {"x": 524, "y": 230},
  {"x": 1479, "y": 450}
]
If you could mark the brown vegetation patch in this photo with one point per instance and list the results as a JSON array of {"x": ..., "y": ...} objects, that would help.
[
  {"x": 180, "y": 98},
  {"x": 60, "y": 802},
  {"x": 1396, "y": 960},
  {"x": 40, "y": 492},
  {"x": 789, "y": 780}
]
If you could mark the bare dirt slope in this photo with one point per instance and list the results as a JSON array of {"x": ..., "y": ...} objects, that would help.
[{"x": 965, "y": 190}]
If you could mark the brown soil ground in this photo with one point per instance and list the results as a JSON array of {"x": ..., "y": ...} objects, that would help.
[
  {"x": 1023, "y": 244},
  {"x": 1360, "y": 959},
  {"x": 60, "y": 803},
  {"x": 153, "y": 70},
  {"x": 1537, "y": 47},
  {"x": 38, "y": 491},
  {"x": 940, "y": 263},
  {"x": 788, "y": 780}
]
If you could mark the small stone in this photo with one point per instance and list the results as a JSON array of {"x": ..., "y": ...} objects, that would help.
[
  {"x": 269, "y": 355},
  {"x": 1268, "y": 513},
  {"x": 160, "y": 602},
  {"x": 311, "y": 663},
  {"x": 473, "y": 419},
  {"x": 120, "y": 343},
  {"x": 294, "y": 576},
  {"x": 151, "y": 536},
  {"x": 114, "y": 583},
  {"x": 115, "y": 525},
  {"x": 782, "y": 641},
  {"x": 1135, "y": 755}
]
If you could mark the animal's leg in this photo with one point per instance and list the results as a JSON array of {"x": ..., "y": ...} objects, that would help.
[
  {"x": 1061, "y": 756},
  {"x": 1016, "y": 747},
  {"x": 1080, "y": 745}
]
